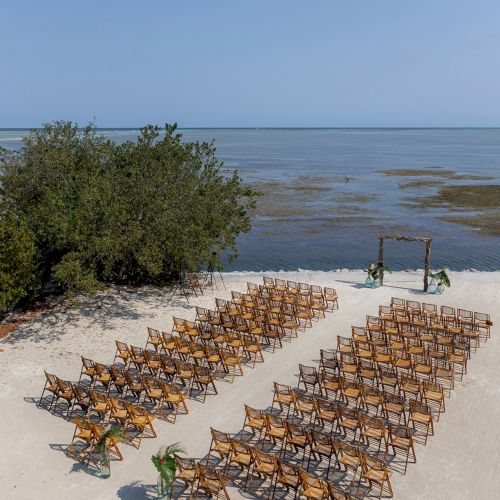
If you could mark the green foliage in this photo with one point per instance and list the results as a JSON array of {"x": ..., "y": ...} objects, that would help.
[
  {"x": 441, "y": 277},
  {"x": 111, "y": 432},
  {"x": 164, "y": 461},
  {"x": 375, "y": 272},
  {"x": 131, "y": 213},
  {"x": 18, "y": 278}
]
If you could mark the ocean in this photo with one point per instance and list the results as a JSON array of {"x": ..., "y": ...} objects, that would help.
[{"x": 329, "y": 193}]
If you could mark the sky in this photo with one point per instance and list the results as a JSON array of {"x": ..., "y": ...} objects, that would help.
[{"x": 251, "y": 63}]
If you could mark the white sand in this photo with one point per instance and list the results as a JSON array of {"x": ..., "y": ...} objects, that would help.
[{"x": 461, "y": 461}]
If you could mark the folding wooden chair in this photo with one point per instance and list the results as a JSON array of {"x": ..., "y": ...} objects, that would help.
[
  {"x": 241, "y": 455},
  {"x": 297, "y": 438},
  {"x": 174, "y": 399},
  {"x": 231, "y": 361},
  {"x": 376, "y": 471},
  {"x": 52, "y": 387},
  {"x": 140, "y": 419},
  {"x": 265, "y": 466},
  {"x": 421, "y": 415},
  {"x": 308, "y": 376},
  {"x": 255, "y": 420},
  {"x": 187, "y": 472},
  {"x": 288, "y": 477},
  {"x": 154, "y": 339},
  {"x": 313, "y": 487},
  {"x": 401, "y": 438},
  {"x": 211, "y": 482},
  {"x": 283, "y": 395},
  {"x": 203, "y": 379},
  {"x": 122, "y": 352},
  {"x": 220, "y": 444},
  {"x": 331, "y": 298},
  {"x": 84, "y": 439},
  {"x": 88, "y": 370}
]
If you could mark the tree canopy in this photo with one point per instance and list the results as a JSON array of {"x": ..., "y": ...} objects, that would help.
[{"x": 136, "y": 212}]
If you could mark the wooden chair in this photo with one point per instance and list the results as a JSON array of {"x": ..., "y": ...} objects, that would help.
[
  {"x": 394, "y": 407},
  {"x": 187, "y": 472},
  {"x": 421, "y": 415},
  {"x": 141, "y": 420},
  {"x": 308, "y": 376},
  {"x": 122, "y": 352},
  {"x": 174, "y": 399},
  {"x": 255, "y": 420},
  {"x": 81, "y": 399},
  {"x": 351, "y": 458},
  {"x": 398, "y": 304},
  {"x": 231, "y": 361},
  {"x": 376, "y": 471},
  {"x": 323, "y": 446},
  {"x": 329, "y": 383},
  {"x": 482, "y": 322},
  {"x": 137, "y": 358},
  {"x": 168, "y": 369},
  {"x": 303, "y": 404},
  {"x": 288, "y": 477},
  {"x": 154, "y": 339},
  {"x": 433, "y": 396},
  {"x": 348, "y": 419},
  {"x": 185, "y": 373},
  {"x": 337, "y": 494},
  {"x": 83, "y": 439},
  {"x": 241, "y": 455},
  {"x": 331, "y": 298},
  {"x": 154, "y": 392},
  {"x": 401, "y": 438},
  {"x": 275, "y": 429},
  {"x": 283, "y": 395},
  {"x": 296, "y": 438},
  {"x": 65, "y": 392},
  {"x": 134, "y": 385},
  {"x": 212, "y": 483},
  {"x": 374, "y": 428},
  {"x": 117, "y": 379},
  {"x": 99, "y": 405},
  {"x": 118, "y": 412},
  {"x": 328, "y": 361},
  {"x": 325, "y": 413},
  {"x": 252, "y": 349},
  {"x": 88, "y": 370},
  {"x": 312, "y": 487},
  {"x": 220, "y": 444},
  {"x": 52, "y": 387},
  {"x": 265, "y": 466},
  {"x": 203, "y": 379}
]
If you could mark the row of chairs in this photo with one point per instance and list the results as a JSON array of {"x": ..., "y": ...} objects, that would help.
[{"x": 440, "y": 314}]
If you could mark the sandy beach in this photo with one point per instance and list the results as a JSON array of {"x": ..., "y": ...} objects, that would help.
[{"x": 462, "y": 461}]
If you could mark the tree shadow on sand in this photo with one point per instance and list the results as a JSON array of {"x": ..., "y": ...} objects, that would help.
[{"x": 99, "y": 311}]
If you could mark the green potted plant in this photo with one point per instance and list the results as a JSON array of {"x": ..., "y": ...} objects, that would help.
[
  {"x": 164, "y": 461},
  {"x": 373, "y": 278},
  {"x": 442, "y": 280},
  {"x": 112, "y": 433}
]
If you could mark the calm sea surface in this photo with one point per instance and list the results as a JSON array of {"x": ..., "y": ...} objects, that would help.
[{"x": 326, "y": 199}]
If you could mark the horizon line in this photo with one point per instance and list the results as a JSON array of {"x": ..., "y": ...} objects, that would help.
[{"x": 284, "y": 128}]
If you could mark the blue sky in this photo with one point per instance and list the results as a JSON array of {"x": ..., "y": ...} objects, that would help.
[{"x": 251, "y": 62}]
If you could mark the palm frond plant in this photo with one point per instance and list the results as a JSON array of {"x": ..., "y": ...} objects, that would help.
[
  {"x": 164, "y": 461},
  {"x": 112, "y": 434},
  {"x": 441, "y": 277}
]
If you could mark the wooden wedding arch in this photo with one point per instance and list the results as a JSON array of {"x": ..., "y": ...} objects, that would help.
[{"x": 427, "y": 242}]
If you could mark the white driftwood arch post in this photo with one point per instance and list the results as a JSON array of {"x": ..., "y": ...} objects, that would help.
[{"x": 427, "y": 242}]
